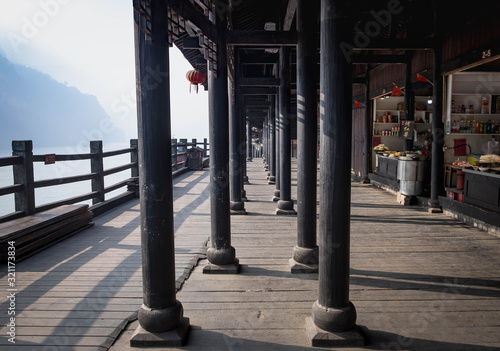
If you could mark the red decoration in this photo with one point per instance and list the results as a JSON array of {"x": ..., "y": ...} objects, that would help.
[
  {"x": 396, "y": 91},
  {"x": 421, "y": 78},
  {"x": 195, "y": 78},
  {"x": 357, "y": 104}
]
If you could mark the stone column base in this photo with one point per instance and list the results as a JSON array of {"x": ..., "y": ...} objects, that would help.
[
  {"x": 270, "y": 182},
  {"x": 280, "y": 212},
  {"x": 172, "y": 338},
  {"x": 434, "y": 206},
  {"x": 232, "y": 268},
  {"x": 323, "y": 338},
  {"x": 298, "y": 268}
]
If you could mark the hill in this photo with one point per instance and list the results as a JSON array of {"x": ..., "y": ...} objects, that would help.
[{"x": 33, "y": 106}]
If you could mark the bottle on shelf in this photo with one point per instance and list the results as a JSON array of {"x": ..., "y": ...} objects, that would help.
[
  {"x": 477, "y": 127},
  {"x": 453, "y": 109},
  {"x": 485, "y": 105},
  {"x": 481, "y": 126}
]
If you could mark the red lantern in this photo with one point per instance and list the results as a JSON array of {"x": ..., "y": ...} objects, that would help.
[{"x": 195, "y": 78}]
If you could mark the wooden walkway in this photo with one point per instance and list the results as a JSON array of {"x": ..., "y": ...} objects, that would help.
[
  {"x": 80, "y": 294},
  {"x": 419, "y": 281}
]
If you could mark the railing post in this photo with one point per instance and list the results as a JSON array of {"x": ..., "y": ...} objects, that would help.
[
  {"x": 97, "y": 167},
  {"x": 134, "y": 158},
  {"x": 174, "y": 154},
  {"x": 23, "y": 174},
  {"x": 194, "y": 142},
  {"x": 205, "y": 147}
]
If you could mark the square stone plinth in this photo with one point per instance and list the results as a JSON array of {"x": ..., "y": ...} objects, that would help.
[
  {"x": 297, "y": 268},
  {"x": 323, "y": 338},
  {"x": 172, "y": 338},
  {"x": 233, "y": 268}
]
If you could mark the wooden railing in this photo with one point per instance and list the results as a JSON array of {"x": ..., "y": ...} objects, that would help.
[{"x": 22, "y": 161}]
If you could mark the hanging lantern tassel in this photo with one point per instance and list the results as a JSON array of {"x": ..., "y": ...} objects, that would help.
[{"x": 195, "y": 78}]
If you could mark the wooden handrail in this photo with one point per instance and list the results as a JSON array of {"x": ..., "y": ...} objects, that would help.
[{"x": 23, "y": 159}]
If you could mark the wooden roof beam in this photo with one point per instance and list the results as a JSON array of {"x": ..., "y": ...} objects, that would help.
[
  {"x": 186, "y": 10},
  {"x": 261, "y": 38},
  {"x": 363, "y": 58},
  {"x": 258, "y": 90},
  {"x": 259, "y": 82},
  {"x": 258, "y": 60},
  {"x": 290, "y": 14},
  {"x": 394, "y": 44}
]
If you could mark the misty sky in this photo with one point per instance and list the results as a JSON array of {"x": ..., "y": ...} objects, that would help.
[{"x": 89, "y": 44}]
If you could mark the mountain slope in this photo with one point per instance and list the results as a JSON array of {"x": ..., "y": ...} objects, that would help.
[{"x": 35, "y": 107}]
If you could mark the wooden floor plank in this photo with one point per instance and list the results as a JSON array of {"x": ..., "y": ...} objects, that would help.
[
  {"x": 434, "y": 287},
  {"x": 91, "y": 283}
]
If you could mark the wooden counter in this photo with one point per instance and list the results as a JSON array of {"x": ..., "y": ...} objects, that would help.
[
  {"x": 482, "y": 189},
  {"x": 387, "y": 167}
]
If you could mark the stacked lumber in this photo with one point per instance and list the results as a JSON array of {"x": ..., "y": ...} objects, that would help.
[{"x": 36, "y": 232}]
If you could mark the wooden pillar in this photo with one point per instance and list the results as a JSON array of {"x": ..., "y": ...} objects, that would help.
[
  {"x": 243, "y": 152},
  {"x": 205, "y": 147},
  {"x": 249, "y": 142},
  {"x": 221, "y": 255},
  {"x": 305, "y": 253},
  {"x": 272, "y": 141},
  {"x": 285, "y": 203},
  {"x": 236, "y": 168},
  {"x": 24, "y": 201},
  {"x": 277, "y": 124},
  {"x": 97, "y": 167},
  {"x": 409, "y": 101},
  {"x": 333, "y": 312},
  {"x": 161, "y": 321},
  {"x": 367, "y": 155},
  {"x": 437, "y": 160}
]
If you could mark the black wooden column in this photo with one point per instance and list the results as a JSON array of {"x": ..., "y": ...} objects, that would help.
[
  {"x": 236, "y": 168},
  {"x": 265, "y": 130},
  {"x": 367, "y": 155},
  {"x": 285, "y": 204},
  {"x": 272, "y": 141},
  {"x": 333, "y": 312},
  {"x": 249, "y": 142},
  {"x": 409, "y": 101},
  {"x": 305, "y": 253},
  {"x": 277, "y": 125},
  {"x": 160, "y": 311},
  {"x": 243, "y": 152},
  {"x": 221, "y": 255},
  {"x": 437, "y": 135}
]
